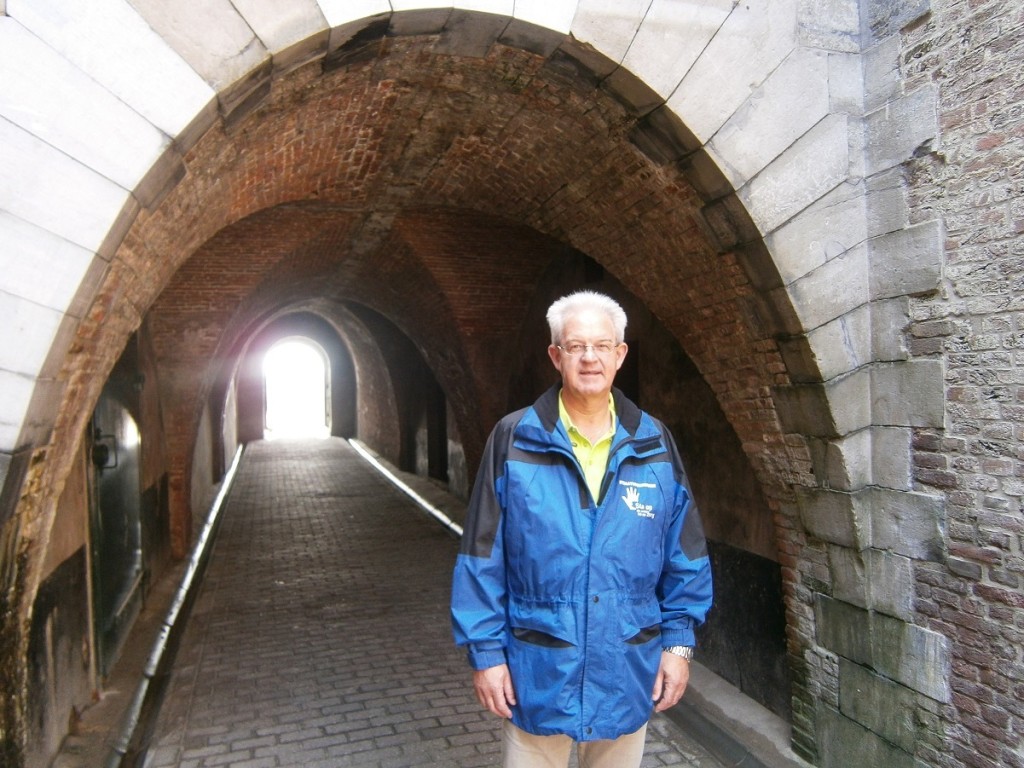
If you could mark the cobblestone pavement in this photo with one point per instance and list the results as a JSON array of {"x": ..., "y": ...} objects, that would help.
[{"x": 320, "y": 635}]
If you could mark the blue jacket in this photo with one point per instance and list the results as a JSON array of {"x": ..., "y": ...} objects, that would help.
[{"x": 578, "y": 595}]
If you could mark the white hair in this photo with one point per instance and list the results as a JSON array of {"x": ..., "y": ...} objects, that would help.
[{"x": 560, "y": 312}]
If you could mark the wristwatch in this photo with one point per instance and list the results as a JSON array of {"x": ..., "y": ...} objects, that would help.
[{"x": 686, "y": 651}]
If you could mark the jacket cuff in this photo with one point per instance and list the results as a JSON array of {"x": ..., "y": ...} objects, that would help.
[
  {"x": 678, "y": 636},
  {"x": 486, "y": 655}
]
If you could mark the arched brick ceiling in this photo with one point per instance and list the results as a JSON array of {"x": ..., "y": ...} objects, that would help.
[{"x": 434, "y": 189}]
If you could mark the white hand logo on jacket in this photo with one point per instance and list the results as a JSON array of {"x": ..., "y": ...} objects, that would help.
[{"x": 632, "y": 498}]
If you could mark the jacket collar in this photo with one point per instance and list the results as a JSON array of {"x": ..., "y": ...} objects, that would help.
[{"x": 627, "y": 412}]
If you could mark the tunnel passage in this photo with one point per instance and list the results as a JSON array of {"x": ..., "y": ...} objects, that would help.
[{"x": 422, "y": 209}]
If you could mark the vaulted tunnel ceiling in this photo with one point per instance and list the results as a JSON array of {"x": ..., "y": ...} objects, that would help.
[{"x": 435, "y": 190}]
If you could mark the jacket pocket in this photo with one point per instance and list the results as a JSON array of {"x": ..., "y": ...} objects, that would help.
[
  {"x": 536, "y": 637},
  {"x": 645, "y": 635},
  {"x": 552, "y": 625},
  {"x": 640, "y": 621}
]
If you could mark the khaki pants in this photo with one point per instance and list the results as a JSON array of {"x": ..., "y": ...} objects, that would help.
[{"x": 524, "y": 750}]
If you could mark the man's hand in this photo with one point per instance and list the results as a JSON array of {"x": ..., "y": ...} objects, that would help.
[
  {"x": 494, "y": 689},
  {"x": 669, "y": 685}
]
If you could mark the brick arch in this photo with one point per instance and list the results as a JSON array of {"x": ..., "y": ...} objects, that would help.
[{"x": 721, "y": 244}]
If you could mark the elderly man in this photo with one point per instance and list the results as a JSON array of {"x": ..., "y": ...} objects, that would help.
[{"x": 583, "y": 569}]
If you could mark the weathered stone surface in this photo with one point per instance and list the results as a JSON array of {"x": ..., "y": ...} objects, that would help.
[
  {"x": 50, "y": 98},
  {"x": 886, "y": 17},
  {"x": 469, "y": 34},
  {"x": 55, "y": 192},
  {"x": 793, "y": 99},
  {"x": 890, "y": 580},
  {"x": 901, "y": 128},
  {"x": 114, "y": 45},
  {"x": 608, "y": 25},
  {"x": 842, "y": 345},
  {"x": 877, "y": 703},
  {"x": 808, "y": 170},
  {"x": 907, "y": 261},
  {"x": 281, "y": 26},
  {"x": 38, "y": 265},
  {"x": 835, "y": 517},
  {"x": 670, "y": 38},
  {"x": 907, "y": 393},
  {"x": 556, "y": 15},
  {"x": 889, "y": 321},
  {"x": 751, "y": 43},
  {"x": 881, "y": 73},
  {"x": 848, "y": 737},
  {"x": 830, "y": 24},
  {"x": 914, "y": 656},
  {"x": 844, "y": 629},
  {"x": 849, "y": 573},
  {"x": 217, "y": 42},
  {"x": 840, "y": 286},
  {"x": 912, "y": 524},
  {"x": 829, "y": 227},
  {"x": 890, "y": 457},
  {"x": 848, "y": 461}
]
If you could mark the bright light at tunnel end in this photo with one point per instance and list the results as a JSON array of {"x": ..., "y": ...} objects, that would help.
[{"x": 295, "y": 377}]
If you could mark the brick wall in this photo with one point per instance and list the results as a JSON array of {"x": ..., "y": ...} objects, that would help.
[{"x": 975, "y": 53}]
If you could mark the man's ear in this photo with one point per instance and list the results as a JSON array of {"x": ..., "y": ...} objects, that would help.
[
  {"x": 620, "y": 355},
  {"x": 556, "y": 357}
]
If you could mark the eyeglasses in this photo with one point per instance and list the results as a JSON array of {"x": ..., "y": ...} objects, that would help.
[{"x": 601, "y": 348}]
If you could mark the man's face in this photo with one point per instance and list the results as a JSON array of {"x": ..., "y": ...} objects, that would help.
[{"x": 589, "y": 374}]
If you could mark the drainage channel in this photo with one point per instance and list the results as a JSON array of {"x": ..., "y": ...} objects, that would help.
[{"x": 129, "y": 749}]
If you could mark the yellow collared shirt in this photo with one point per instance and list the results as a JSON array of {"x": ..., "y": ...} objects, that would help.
[{"x": 592, "y": 457}]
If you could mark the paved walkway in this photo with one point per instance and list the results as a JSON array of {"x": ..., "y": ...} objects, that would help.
[{"x": 320, "y": 635}]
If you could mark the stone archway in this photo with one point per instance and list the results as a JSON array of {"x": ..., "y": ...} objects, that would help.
[{"x": 802, "y": 341}]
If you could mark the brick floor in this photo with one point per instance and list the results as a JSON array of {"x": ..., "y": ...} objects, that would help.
[{"x": 320, "y": 635}]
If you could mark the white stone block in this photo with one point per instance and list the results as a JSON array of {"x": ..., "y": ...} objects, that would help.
[
  {"x": 890, "y": 458},
  {"x": 280, "y": 25},
  {"x": 39, "y": 266},
  {"x": 338, "y": 12},
  {"x": 890, "y": 582},
  {"x": 52, "y": 99},
  {"x": 552, "y": 14},
  {"x": 210, "y": 35},
  {"x": 15, "y": 393},
  {"x": 848, "y": 461},
  {"x": 29, "y": 330},
  {"x": 849, "y": 399},
  {"x": 417, "y": 5},
  {"x": 898, "y": 130},
  {"x": 882, "y": 77},
  {"x": 889, "y": 321},
  {"x": 845, "y": 83},
  {"x": 907, "y": 261},
  {"x": 825, "y": 230},
  {"x": 117, "y": 48},
  {"x": 498, "y": 7},
  {"x": 807, "y": 171},
  {"x": 832, "y": 25},
  {"x": 836, "y": 288},
  {"x": 789, "y": 103},
  {"x": 670, "y": 38},
  {"x": 908, "y": 393},
  {"x": 843, "y": 344},
  {"x": 55, "y": 192},
  {"x": 609, "y": 25},
  {"x": 752, "y": 42}
]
